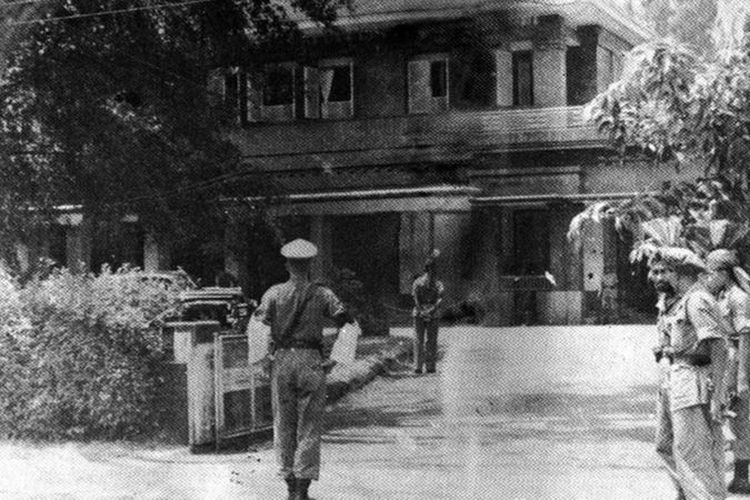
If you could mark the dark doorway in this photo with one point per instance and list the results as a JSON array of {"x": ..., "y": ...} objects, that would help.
[
  {"x": 117, "y": 245},
  {"x": 530, "y": 242},
  {"x": 636, "y": 294},
  {"x": 368, "y": 245},
  {"x": 265, "y": 266}
]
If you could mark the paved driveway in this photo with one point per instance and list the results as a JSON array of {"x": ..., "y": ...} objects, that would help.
[{"x": 517, "y": 413}]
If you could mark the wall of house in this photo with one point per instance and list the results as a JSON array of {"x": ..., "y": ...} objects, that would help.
[{"x": 380, "y": 84}]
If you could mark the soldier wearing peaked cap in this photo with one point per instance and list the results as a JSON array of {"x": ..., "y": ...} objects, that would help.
[
  {"x": 295, "y": 310},
  {"x": 693, "y": 354}
]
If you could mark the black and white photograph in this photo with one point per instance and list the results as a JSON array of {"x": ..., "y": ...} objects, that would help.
[{"x": 375, "y": 249}]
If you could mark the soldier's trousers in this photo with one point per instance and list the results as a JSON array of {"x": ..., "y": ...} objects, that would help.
[
  {"x": 698, "y": 453},
  {"x": 740, "y": 426},
  {"x": 425, "y": 343},
  {"x": 664, "y": 438},
  {"x": 299, "y": 394}
]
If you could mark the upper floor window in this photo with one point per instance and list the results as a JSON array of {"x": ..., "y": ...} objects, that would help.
[
  {"x": 278, "y": 102},
  {"x": 329, "y": 89},
  {"x": 278, "y": 88},
  {"x": 336, "y": 82},
  {"x": 439, "y": 78},
  {"x": 428, "y": 87},
  {"x": 613, "y": 66},
  {"x": 523, "y": 78}
]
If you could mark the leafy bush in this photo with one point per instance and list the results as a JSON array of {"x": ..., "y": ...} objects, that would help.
[
  {"x": 367, "y": 309},
  {"x": 78, "y": 354}
]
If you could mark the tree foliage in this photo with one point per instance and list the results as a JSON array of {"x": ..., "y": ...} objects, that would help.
[
  {"x": 80, "y": 356},
  {"x": 675, "y": 107},
  {"x": 111, "y": 111}
]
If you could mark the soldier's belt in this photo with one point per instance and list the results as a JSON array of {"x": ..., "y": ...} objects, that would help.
[{"x": 691, "y": 359}]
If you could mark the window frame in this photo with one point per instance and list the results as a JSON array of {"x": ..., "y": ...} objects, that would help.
[
  {"x": 283, "y": 111},
  {"x": 432, "y": 104},
  {"x": 337, "y": 109},
  {"x": 515, "y": 55}
]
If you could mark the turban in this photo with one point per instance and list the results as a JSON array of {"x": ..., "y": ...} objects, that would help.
[{"x": 678, "y": 258}]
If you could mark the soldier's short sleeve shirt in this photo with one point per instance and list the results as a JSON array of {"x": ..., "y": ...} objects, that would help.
[
  {"x": 279, "y": 303},
  {"x": 690, "y": 322},
  {"x": 425, "y": 292},
  {"x": 735, "y": 307}
]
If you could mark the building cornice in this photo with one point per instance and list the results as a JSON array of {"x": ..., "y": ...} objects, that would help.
[{"x": 578, "y": 12}]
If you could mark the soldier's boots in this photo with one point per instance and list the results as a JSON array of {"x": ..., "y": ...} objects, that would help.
[
  {"x": 740, "y": 483},
  {"x": 302, "y": 486},
  {"x": 291, "y": 488}
]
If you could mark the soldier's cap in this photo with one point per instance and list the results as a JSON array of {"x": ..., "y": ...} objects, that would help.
[
  {"x": 431, "y": 260},
  {"x": 299, "y": 249},
  {"x": 722, "y": 260},
  {"x": 678, "y": 258}
]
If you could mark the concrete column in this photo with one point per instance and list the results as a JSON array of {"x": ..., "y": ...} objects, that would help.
[
  {"x": 156, "y": 256},
  {"x": 78, "y": 247},
  {"x": 235, "y": 254},
  {"x": 503, "y": 313},
  {"x": 603, "y": 75},
  {"x": 503, "y": 78},
  {"x": 320, "y": 234},
  {"x": 550, "y": 85},
  {"x": 593, "y": 266},
  {"x": 451, "y": 231},
  {"x": 23, "y": 256},
  {"x": 415, "y": 242}
]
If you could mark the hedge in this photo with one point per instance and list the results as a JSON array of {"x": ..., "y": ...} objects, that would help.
[{"x": 78, "y": 354}]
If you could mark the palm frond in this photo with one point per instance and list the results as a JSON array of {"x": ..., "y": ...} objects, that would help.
[
  {"x": 664, "y": 231},
  {"x": 595, "y": 212}
]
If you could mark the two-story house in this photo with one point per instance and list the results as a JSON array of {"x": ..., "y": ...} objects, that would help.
[
  {"x": 448, "y": 124},
  {"x": 451, "y": 124}
]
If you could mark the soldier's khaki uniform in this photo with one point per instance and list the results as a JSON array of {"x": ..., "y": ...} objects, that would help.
[
  {"x": 426, "y": 293},
  {"x": 664, "y": 439},
  {"x": 697, "y": 441},
  {"x": 297, "y": 376},
  {"x": 735, "y": 306}
]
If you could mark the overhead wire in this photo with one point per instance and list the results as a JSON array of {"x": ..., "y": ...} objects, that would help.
[
  {"x": 84, "y": 15},
  {"x": 206, "y": 184}
]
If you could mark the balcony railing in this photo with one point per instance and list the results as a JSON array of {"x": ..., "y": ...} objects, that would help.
[{"x": 405, "y": 138}]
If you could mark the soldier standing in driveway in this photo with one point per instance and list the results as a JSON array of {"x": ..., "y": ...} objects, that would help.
[
  {"x": 697, "y": 356},
  {"x": 664, "y": 438},
  {"x": 730, "y": 282},
  {"x": 296, "y": 310},
  {"x": 427, "y": 291}
]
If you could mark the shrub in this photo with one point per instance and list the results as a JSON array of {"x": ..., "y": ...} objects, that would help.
[
  {"x": 79, "y": 357},
  {"x": 367, "y": 309}
]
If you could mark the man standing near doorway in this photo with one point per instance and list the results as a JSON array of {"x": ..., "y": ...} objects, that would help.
[
  {"x": 697, "y": 352},
  {"x": 427, "y": 291},
  {"x": 296, "y": 310}
]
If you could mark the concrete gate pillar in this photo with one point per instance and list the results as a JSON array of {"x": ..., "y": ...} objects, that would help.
[
  {"x": 156, "y": 255},
  {"x": 78, "y": 246},
  {"x": 320, "y": 234}
]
